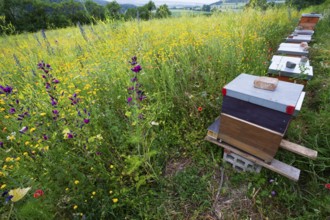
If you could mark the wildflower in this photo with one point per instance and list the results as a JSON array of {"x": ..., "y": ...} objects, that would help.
[
  {"x": 38, "y": 193},
  {"x": 75, "y": 207},
  {"x": 154, "y": 123},
  {"x": 129, "y": 99},
  {"x": 136, "y": 69},
  {"x": 18, "y": 159},
  {"x": 54, "y": 102},
  {"x": 47, "y": 85},
  {"x": 3, "y": 186},
  {"x": 1, "y": 144},
  {"x": 273, "y": 193},
  {"x": 9, "y": 159},
  {"x": 9, "y": 198},
  {"x": 55, "y": 81},
  {"x": 32, "y": 130},
  {"x": 23, "y": 130},
  {"x": 93, "y": 193},
  {"x": 55, "y": 112},
  {"x": 86, "y": 120},
  {"x": 42, "y": 114},
  {"x": 110, "y": 192},
  {"x": 45, "y": 137},
  {"x": 134, "y": 61},
  {"x": 200, "y": 109},
  {"x": 327, "y": 186},
  {"x": 114, "y": 200},
  {"x": 111, "y": 166},
  {"x": 66, "y": 189},
  {"x": 25, "y": 153},
  {"x": 76, "y": 182},
  {"x": 12, "y": 110},
  {"x": 69, "y": 135},
  {"x": 134, "y": 79},
  {"x": 18, "y": 193},
  {"x": 7, "y": 89}
]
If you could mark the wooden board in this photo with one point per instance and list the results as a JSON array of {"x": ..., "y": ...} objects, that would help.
[
  {"x": 299, "y": 39},
  {"x": 292, "y": 49},
  {"x": 256, "y": 140},
  {"x": 256, "y": 114},
  {"x": 285, "y": 95},
  {"x": 275, "y": 165},
  {"x": 278, "y": 67},
  {"x": 298, "y": 149}
]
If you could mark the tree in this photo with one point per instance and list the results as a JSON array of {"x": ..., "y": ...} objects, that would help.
[
  {"x": 113, "y": 9},
  {"x": 131, "y": 13},
  {"x": 95, "y": 11},
  {"x": 145, "y": 11},
  {"x": 303, "y": 3},
  {"x": 261, "y": 4},
  {"x": 206, "y": 8},
  {"x": 163, "y": 11}
]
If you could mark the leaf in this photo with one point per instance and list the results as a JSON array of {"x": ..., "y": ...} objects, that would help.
[{"x": 18, "y": 193}]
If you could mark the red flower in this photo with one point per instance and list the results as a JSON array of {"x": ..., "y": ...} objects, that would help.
[
  {"x": 327, "y": 186},
  {"x": 200, "y": 109},
  {"x": 38, "y": 193}
]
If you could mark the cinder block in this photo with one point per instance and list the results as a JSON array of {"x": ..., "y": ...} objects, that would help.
[{"x": 240, "y": 163}]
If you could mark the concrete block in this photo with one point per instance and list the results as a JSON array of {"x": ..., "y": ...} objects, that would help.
[{"x": 240, "y": 163}]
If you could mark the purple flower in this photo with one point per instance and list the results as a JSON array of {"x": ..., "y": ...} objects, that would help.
[
  {"x": 129, "y": 99},
  {"x": 134, "y": 79},
  {"x": 55, "y": 81},
  {"x": 23, "y": 130},
  {"x": 136, "y": 69},
  {"x": 12, "y": 110},
  {"x": 45, "y": 137},
  {"x": 98, "y": 153},
  {"x": 1, "y": 144},
  {"x": 7, "y": 89},
  {"x": 142, "y": 97},
  {"x": 17, "y": 101},
  {"x": 55, "y": 112},
  {"x": 273, "y": 193},
  {"x": 86, "y": 120},
  {"x": 70, "y": 136},
  {"x": 54, "y": 102},
  {"x": 43, "y": 76},
  {"x": 271, "y": 180},
  {"x": 130, "y": 88},
  {"x": 47, "y": 85},
  {"x": 9, "y": 198},
  {"x": 134, "y": 61}
]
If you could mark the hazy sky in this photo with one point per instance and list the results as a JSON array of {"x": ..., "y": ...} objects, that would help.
[{"x": 169, "y": 2}]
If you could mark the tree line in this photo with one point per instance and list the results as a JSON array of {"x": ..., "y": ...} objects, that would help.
[{"x": 18, "y": 16}]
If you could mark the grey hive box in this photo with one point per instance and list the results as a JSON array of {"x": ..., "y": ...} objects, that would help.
[
  {"x": 292, "y": 49},
  {"x": 299, "y": 38},
  {"x": 303, "y": 32},
  {"x": 278, "y": 67},
  {"x": 255, "y": 120}
]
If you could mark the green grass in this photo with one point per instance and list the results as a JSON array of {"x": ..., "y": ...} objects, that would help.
[{"x": 164, "y": 171}]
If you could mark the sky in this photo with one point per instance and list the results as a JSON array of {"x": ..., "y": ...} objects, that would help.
[{"x": 168, "y": 2}]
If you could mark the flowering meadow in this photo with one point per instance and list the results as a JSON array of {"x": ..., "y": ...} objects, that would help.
[{"x": 92, "y": 117}]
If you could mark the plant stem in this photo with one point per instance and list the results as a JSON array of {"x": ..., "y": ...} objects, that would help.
[{"x": 11, "y": 209}]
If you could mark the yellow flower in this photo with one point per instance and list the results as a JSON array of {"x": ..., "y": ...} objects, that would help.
[
  {"x": 92, "y": 197},
  {"x": 2, "y": 109},
  {"x": 32, "y": 130},
  {"x": 3, "y": 186},
  {"x": 114, "y": 200},
  {"x": 93, "y": 193},
  {"x": 66, "y": 189},
  {"x": 111, "y": 166},
  {"x": 2, "y": 174},
  {"x": 9, "y": 159},
  {"x": 110, "y": 192},
  {"x": 75, "y": 207},
  {"x": 7, "y": 116},
  {"x": 42, "y": 114},
  {"x": 27, "y": 143},
  {"x": 18, "y": 193},
  {"x": 76, "y": 182},
  {"x": 25, "y": 153}
]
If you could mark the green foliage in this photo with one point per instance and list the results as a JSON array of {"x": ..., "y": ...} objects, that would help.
[{"x": 163, "y": 12}]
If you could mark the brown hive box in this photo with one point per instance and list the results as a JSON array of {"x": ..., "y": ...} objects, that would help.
[{"x": 255, "y": 120}]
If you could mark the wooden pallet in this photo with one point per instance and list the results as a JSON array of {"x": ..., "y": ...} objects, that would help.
[{"x": 275, "y": 165}]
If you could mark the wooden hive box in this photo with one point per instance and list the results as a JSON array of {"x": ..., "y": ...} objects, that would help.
[
  {"x": 308, "y": 21},
  {"x": 279, "y": 69},
  {"x": 255, "y": 120}
]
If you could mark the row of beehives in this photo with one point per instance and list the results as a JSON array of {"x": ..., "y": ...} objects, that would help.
[{"x": 256, "y": 111}]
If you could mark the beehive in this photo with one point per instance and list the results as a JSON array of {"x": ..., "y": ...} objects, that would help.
[
  {"x": 302, "y": 70},
  {"x": 255, "y": 120},
  {"x": 308, "y": 21}
]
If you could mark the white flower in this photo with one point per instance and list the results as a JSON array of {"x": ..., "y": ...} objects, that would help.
[{"x": 154, "y": 123}]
